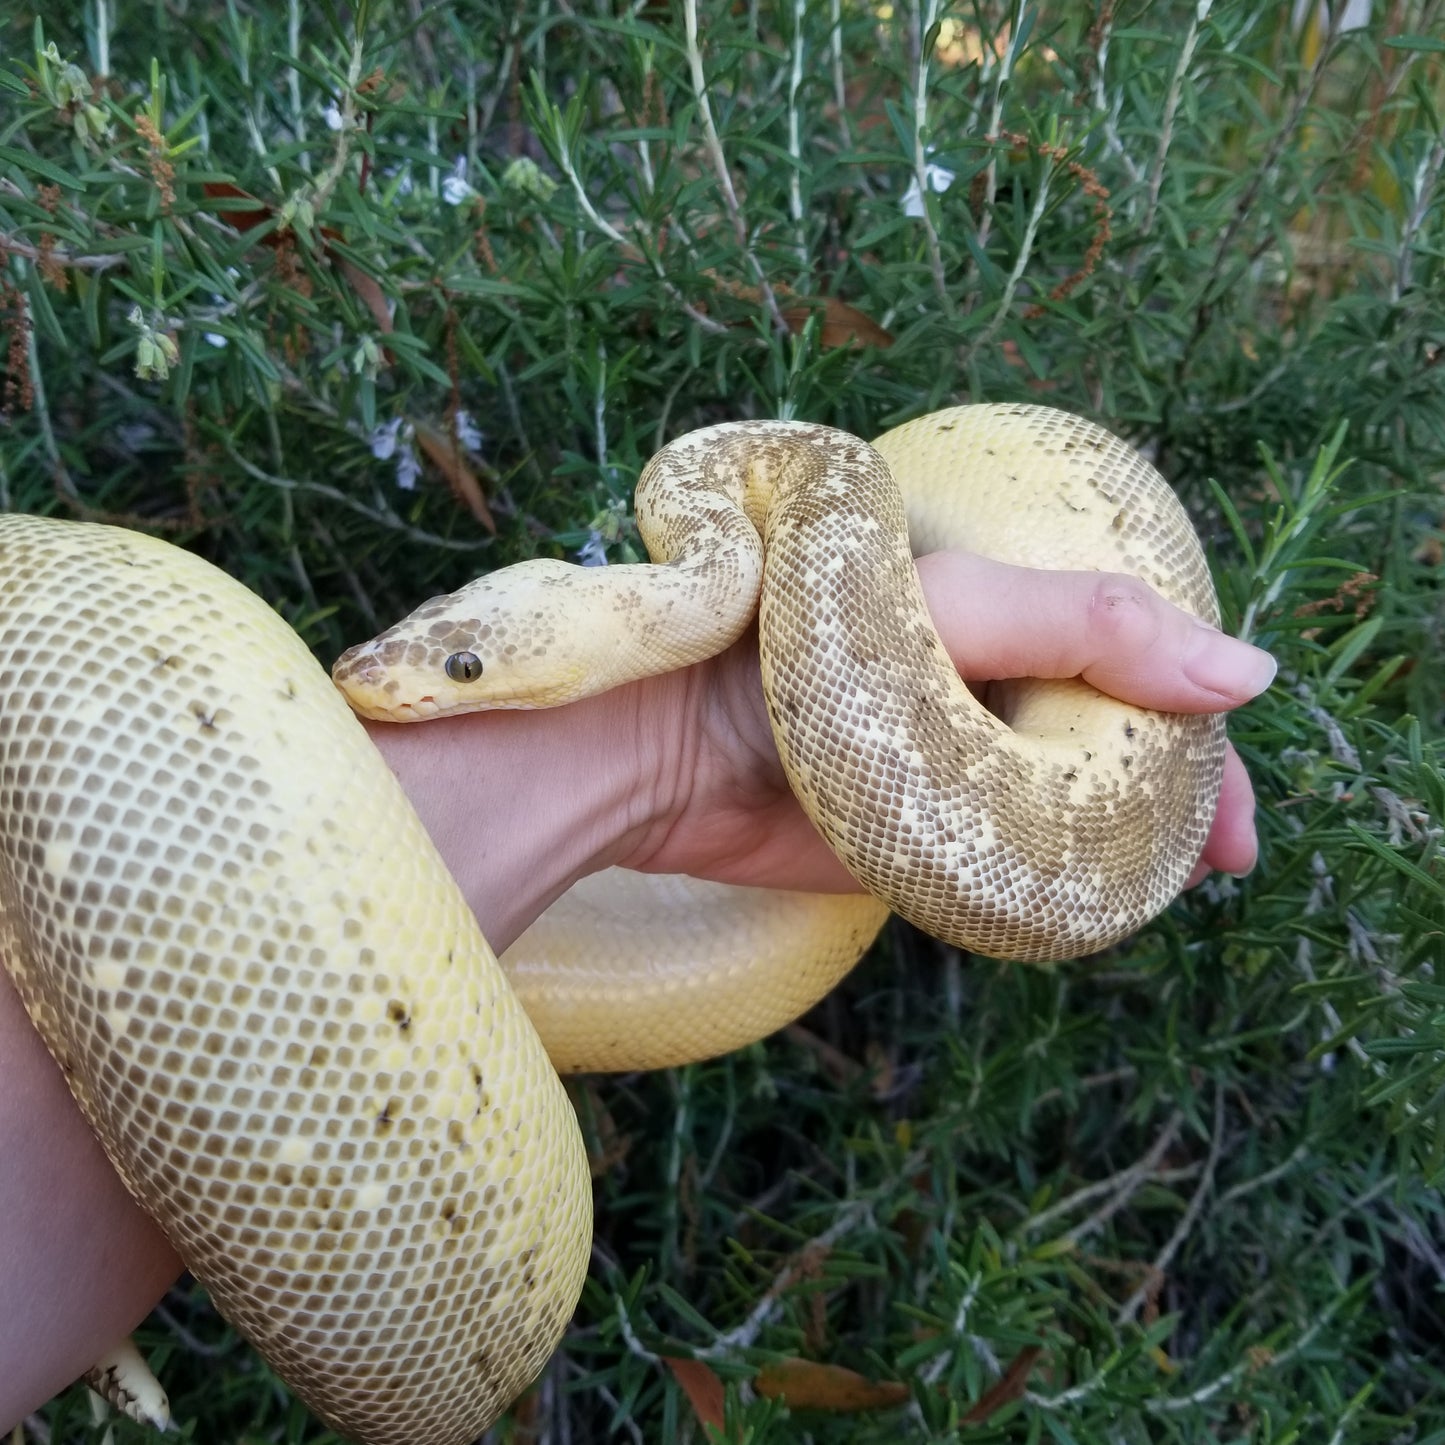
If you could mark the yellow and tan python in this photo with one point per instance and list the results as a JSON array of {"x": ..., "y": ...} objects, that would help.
[{"x": 270, "y": 999}]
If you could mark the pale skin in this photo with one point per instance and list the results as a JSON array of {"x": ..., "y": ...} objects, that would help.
[{"x": 677, "y": 774}]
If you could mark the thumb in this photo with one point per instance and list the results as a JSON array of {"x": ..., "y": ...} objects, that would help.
[{"x": 1114, "y": 631}]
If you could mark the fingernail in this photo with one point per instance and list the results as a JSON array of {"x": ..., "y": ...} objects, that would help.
[{"x": 1224, "y": 664}]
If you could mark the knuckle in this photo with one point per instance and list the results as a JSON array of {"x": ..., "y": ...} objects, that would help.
[{"x": 1122, "y": 610}]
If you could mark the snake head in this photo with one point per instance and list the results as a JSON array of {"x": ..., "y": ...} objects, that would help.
[{"x": 508, "y": 640}]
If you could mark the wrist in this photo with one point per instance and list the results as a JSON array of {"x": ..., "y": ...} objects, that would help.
[{"x": 521, "y": 804}]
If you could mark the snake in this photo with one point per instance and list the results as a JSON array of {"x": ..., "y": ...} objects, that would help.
[{"x": 269, "y": 998}]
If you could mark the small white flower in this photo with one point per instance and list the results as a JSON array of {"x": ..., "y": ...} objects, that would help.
[
  {"x": 408, "y": 468},
  {"x": 456, "y": 188},
  {"x": 397, "y": 438},
  {"x": 215, "y": 338},
  {"x": 593, "y": 552},
  {"x": 467, "y": 433},
  {"x": 383, "y": 439},
  {"x": 939, "y": 178},
  {"x": 332, "y": 116}
]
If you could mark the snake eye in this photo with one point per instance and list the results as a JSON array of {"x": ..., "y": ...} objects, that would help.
[{"x": 464, "y": 667}]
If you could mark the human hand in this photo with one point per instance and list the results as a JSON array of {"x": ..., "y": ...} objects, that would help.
[{"x": 724, "y": 809}]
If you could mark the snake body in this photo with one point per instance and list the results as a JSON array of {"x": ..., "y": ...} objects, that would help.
[{"x": 268, "y": 996}]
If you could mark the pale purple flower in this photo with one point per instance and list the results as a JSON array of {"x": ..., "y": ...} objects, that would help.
[{"x": 593, "y": 552}]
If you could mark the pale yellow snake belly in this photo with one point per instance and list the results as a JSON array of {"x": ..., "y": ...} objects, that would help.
[{"x": 268, "y": 996}]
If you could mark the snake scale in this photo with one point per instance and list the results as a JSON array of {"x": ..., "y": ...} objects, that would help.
[{"x": 269, "y": 998}]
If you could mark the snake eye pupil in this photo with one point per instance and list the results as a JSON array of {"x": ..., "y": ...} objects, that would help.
[{"x": 464, "y": 667}]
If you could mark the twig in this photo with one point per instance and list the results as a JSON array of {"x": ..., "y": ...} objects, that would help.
[
  {"x": 1162, "y": 1260},
  {"x": 102, "y": 37},
  {"x": 629, "y": 1336},
  {"x": 720, "y": 164},
  {"x": 1021, "y": 261},
  {"x": 1262, "y": 171},
  {"x": 381, "y": 514},
  {"x": 293, "y": 77},
  {"x": 1089, "y": 1081},
  {"x": 1427, "y": 177},
  {"x": 61, "y": 257},
  {"x": 193, "y": 1343},
  {"x": 1123, "y": 1184},
  {"x": 840, "y": 88},
  {"x": 326, "y": 182},
  {"x": 569, "y": 169},
  {"x": 504, "y": 71},
  {"x": 681, "y": 1080},
  {"x": 933, "y": 1371},
  {"x": 995, "y": 120},
  {"x": 743, "y": 1336},
  {"x": 1172, "y": 1404},
  {"x": 1171, "y": 109},
  {"x": 359, "y": 594},
  {"x": 795, "y": 145},
  {"x": 620, "y": 1420},
  {"x": 926, "y": 20},
  {"x": 1248, "y": 1186},
  {"x": 1401, "y": 821},
  {"x": 64, "y": 482},
  {"x": 1109, "y": 112}
]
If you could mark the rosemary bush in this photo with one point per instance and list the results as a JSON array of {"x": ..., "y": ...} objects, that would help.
[{"x": 358, "y": 302}]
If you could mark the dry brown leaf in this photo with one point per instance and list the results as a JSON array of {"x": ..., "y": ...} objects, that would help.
[
  {"x": 1010, "y": 1387},
  {"x": 807, "y": 1385},
  {"x": 248, "y": 220},
  {"x": 372, "y": 296},
  {"x": 702, "y": 1387},
  {"x": 446, "y": 457},
  {"x": 843, "y": 325},
  {"x": 240, "y": 220}
]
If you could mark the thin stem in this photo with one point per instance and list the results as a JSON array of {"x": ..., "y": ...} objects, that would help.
[
  {"x": 925, "y": 20},
  {"x": 102, "y": 37},
  {"x": 569, "y": 169},
  {"x": 1109, "y": 110},
  {"x": 840, "y": 88},
  {"x": 995, "y": 120},
  {"x": 1249, "y": 1365},
  {"x": 720, "y": 164},
  {"x": 1427, "y": 177},
  {"x": 1171, "y": 110},
  {"x": 293, "y": 77},
  {"x": 1122, "y": 1184},
  {"x": 333, "y": 172},
  {"x": 381, "y": 514},
  {"x": 1021, "y": 261},
  {"x": 64, "y": 482},
  {"x": 1162, "y": 1260},
  {"x": 795, "y": 144}
]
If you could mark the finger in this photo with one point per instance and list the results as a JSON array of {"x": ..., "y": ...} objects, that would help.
[
  {"x": 1113, "y": 630},
  {"x": 1232, "y": 845}
]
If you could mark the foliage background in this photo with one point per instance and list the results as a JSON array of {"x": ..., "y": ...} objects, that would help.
[{"x": 329, "y": 293}]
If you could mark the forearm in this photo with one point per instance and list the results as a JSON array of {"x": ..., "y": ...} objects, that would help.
[
  {"x": 520, "y": 804},
  {"x": 80, "y": 1265}
]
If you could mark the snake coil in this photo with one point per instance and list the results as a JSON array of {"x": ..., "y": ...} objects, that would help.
[{"x": 270, "y": 999}]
